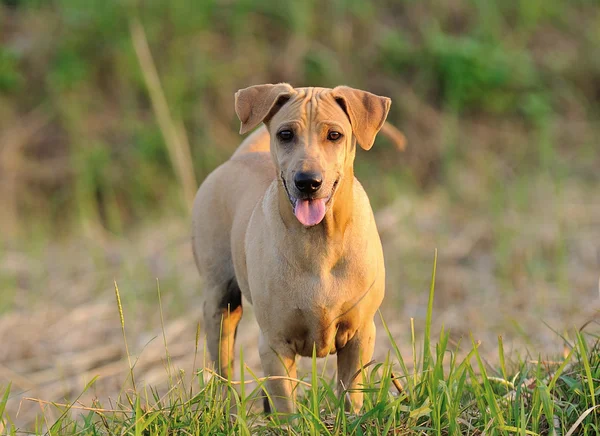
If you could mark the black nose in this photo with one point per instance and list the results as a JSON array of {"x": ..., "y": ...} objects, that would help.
[{"x": 308, "y": 183}]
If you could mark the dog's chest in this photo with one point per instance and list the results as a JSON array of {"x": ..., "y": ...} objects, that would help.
[
  {"x": 320, "y": 329},
  {"x": 311, "y": 293},
  {"x": 324, "y": 312}
]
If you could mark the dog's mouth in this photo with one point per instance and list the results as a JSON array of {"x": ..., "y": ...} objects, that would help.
[{"x": 310, "y": 210}]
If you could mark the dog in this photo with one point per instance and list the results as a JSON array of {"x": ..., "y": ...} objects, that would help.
[{"x": 285, "y": 224}]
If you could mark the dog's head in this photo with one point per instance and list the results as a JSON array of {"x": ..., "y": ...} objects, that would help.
[{"x": 313, "y": 137}]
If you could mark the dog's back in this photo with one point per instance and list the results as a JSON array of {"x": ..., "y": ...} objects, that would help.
[
  {"x": 229, "y": 192},
  {"x": 258, "y": 141}
]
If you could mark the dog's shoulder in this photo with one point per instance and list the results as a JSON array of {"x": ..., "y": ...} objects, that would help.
[
  {"x": 362, "y": 204},
  {"x": 255, "y": 161}
]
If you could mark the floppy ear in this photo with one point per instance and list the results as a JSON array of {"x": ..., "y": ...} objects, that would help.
[
  {"x": 367, "y": 112},
  {"x": 255, "y": 104}
]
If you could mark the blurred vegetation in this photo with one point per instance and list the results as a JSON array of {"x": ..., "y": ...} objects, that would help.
[{"x": 501, "y": 91}]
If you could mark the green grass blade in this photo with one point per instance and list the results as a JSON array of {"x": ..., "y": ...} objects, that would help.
[
  {"x": 427, "y": 340},
  {"x": 523, "y": 418},
  {"x": 4, "y": 401},
  {"x": 59, "y": 421},
  {"x": 586, "y": 365},
  {"x": 315, "y": 383},
  {"x": 413, "y": 343},
  {"x": 514, "y": 429},
  {"x": 559, "y": 371},
  {"x": 547, "y": 405},
  {"x": 489, "y": 393},
  {"x": 403, "y": 367},
  {"x": 501, "y": 356},
  {"x": 138, "y": 417},
  {"x": 242, "y": 411}
]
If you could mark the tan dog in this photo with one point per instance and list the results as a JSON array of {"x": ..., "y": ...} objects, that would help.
[{"x": 285, "y": 223}]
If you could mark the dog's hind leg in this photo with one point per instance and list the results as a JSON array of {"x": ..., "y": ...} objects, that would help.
[{"x": 222, "y": 314}]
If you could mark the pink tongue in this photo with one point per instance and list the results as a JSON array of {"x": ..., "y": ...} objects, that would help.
[{"x": 310, "y": 212}]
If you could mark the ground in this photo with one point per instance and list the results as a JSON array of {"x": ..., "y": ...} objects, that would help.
[{"x": 74, "y": 333}]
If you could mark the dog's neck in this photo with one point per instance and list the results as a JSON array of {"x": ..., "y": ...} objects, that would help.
[{"x": 339, "y": 216}]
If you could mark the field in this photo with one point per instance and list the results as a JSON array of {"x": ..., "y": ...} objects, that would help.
[{"x": 103, "y": 143}]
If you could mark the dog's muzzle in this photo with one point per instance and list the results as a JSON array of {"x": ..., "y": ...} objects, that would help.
[{"x": 307, "y": 207}]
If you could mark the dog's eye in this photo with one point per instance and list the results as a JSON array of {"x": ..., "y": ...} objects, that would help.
[
  {"x": 285, "y": 135},
  {"x": 333, "y": 135}
]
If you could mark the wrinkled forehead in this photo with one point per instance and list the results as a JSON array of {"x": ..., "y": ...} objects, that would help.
[{"x": 311, "y": 105}]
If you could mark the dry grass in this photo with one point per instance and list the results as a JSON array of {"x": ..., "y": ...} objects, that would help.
[{"x": 73, "y": 333}]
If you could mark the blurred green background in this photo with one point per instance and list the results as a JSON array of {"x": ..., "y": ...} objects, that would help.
[
  {"x": 499, "y": 101},
  {"x": 508, "y": 90}
]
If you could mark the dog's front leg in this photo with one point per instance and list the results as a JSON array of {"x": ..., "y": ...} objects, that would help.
[
  {"x": 357, "y": 352},
  {"x": 280, "y": 362}
]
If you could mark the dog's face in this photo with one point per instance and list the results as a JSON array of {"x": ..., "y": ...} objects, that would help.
[
  {"x": 312, "y": 145},
  {"x": 313, "y": 132}
]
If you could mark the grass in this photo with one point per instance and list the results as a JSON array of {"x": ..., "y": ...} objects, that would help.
[{"x": 441, "y": 394}]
